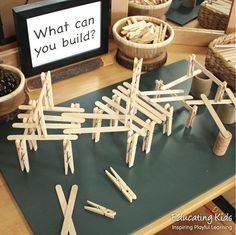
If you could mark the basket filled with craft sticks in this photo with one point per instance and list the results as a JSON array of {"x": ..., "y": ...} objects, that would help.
[
  {"x": 214, "y": 14},
  {"x": 155, "y": 8},
  {"x": 142, "y": 37},
  {"x": 221, "y": 58}
]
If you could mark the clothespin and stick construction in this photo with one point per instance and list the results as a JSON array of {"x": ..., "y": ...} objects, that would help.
[
  {"x": 194, "y": 68},
  {"x": 129, "y": 110},
  {"x": 101, "y": 210},
  {"x": 36, "y": 125}
]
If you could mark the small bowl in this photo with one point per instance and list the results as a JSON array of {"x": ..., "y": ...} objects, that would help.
[
  {"x": 9, "y": 103},
  {"x": 149, "y": 10},
  {"x": 145, "y": 51}
]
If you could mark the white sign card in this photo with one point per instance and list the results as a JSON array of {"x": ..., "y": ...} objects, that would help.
[{"x": 64, "y": 33}]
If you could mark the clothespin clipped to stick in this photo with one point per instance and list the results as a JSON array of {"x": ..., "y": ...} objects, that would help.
[
  {"x": 121, "y": 185},
  {"x": 101, "y": 210}
]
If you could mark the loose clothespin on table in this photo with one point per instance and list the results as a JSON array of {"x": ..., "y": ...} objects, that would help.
[
  {"x": 121, "y": 185},
  {"x": 101, "y": 210}
]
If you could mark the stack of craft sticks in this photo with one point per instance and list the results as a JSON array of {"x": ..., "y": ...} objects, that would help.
[
  {"x": 144, "y": 32},
  {"x": 148, "y": 2},
  {"x": 228, "y": 51},
  {"x": 222, "y": 6}
]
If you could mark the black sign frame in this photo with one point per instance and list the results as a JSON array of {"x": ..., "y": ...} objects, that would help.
[{"x": 22, "y": 13}]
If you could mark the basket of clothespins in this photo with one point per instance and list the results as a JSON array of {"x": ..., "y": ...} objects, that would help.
[
  {"x": 221, "y": 58},
  {"x": 214, "y": 14},
  {"x": 142, "y": 37},
  {"x": 12, "y": 91},
  {"x": 155, "y": 8}
]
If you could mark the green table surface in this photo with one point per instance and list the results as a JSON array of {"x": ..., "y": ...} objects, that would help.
[{"x": 178, "y": 169}]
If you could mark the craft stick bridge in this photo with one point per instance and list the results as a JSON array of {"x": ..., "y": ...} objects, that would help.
[{"x": 128, "y": 110}]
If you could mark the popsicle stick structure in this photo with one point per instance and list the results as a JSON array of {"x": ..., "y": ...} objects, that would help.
[
  {"x": 101, "y": 210},
  {"x": 193, "y": 69},
  {"x": 128, "y": 110}
]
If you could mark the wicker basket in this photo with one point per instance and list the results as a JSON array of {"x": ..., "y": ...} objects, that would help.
[
  {"x": 10, "y": 102},
  {"x": 145, "y": 51},
  {"x": 156, "y": 11},
  {"x": 217, "y": 64},
  {"x": 212, "y": 19}
]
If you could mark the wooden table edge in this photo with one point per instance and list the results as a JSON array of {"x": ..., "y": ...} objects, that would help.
[{"x": 187, "y": 208}]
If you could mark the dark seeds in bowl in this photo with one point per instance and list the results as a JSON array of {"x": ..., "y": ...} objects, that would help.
[{"x": 9, "y": 81}]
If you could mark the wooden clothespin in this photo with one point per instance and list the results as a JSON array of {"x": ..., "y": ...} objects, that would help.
[
  {"x": 131, "y": 148},
  {"x": 21, "y": 148},
  {"x": 49, "y": 90},
  {"x": 167, "y": 125},
  {"x": 68, "y": 156},
  {"x": 190, "y": 68},
  {"x": 116, "y": 99},
  {"x": 96, "y": 124},
  {"x": 67, "y": 209},
  {"x": 101, "y": 210},
  {"x": 147, "y": 140},
  {"x": 158, "y": 85},
  {"x": 121, "y": 185},
  {"x": 220, "y": 91},
  {"x": 191, "y": 116}
]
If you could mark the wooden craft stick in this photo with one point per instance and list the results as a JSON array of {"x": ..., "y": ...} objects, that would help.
[
  {"x": 94, "y": 116},
  {"x": 231, "y": 96},
  {"x": 63, "y": 204},
  {"x": 69, "y": 210},
  {"x": 200, "y": 102},
  {"x": 55, "y": 118},
  {"x": 215, "y": 116},
  {"x": 96, "y": 129},
  {"x": 48, "y": 125},
  {"x": 54, "y": 109},
  {"x": 169, "y": 99},
  {"x": 161, "y": 92},
  {"x": 35, "y": 137},
  {"x": 180, "y": 80}
]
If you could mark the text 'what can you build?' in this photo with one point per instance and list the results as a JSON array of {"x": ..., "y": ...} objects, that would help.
[{"x": 50, "y": 31}]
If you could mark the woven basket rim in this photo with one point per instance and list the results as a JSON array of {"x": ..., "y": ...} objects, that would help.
[
  {"x": 19, "y": 88},
  {"x": 139, "y": 45},
  {"x": 203, "y": 4},
  {"x": 222, "y": 39},
  {"x": 150, "y": 7}
]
